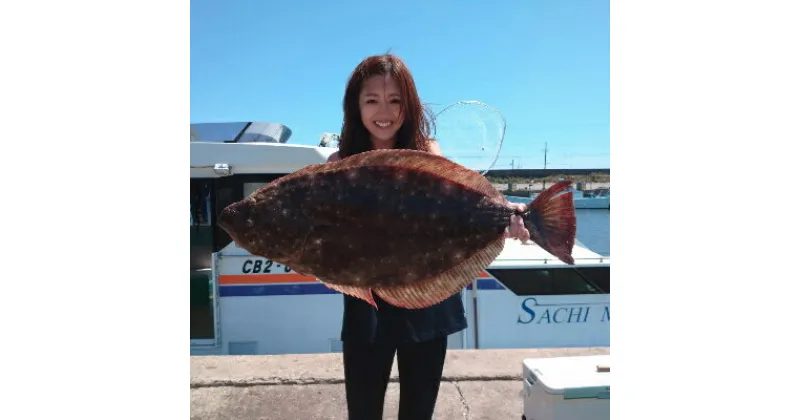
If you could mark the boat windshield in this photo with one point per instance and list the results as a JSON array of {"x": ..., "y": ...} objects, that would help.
[
  {"x": 216, "y": 132},
  {"x": 239, "y": 132}
]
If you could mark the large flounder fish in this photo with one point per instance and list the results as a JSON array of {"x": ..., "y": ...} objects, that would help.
[{"x": 411, "y": 227}]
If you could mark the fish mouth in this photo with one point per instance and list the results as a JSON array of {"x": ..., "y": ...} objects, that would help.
[
  {"x": 225, "y": 219},
  {"x": 233, "y": 218}
]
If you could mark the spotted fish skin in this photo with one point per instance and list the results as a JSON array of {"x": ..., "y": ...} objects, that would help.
[
  {"x": 410, "y": 226},
  {"x": 375, "y": 233},
  {"x": 267, "y": 224}
]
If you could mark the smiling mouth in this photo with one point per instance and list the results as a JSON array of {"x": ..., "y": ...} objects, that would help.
[{"x": 383, "y": 124}]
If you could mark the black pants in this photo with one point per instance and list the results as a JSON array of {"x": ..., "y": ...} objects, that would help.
[{"x": 367, "y": 368}]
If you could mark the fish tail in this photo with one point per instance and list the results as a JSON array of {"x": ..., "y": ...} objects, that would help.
[{"x": 550, "y": 219}]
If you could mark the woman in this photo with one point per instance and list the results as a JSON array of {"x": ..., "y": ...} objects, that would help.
[{"x": 382, "y": 110}]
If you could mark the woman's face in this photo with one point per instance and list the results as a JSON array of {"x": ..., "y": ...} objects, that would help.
[{"x": 380, "y": 104}]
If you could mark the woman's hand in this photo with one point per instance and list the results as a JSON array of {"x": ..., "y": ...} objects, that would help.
[{"x": 517, "y": 229}]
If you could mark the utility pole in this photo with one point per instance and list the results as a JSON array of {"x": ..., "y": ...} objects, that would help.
[{"x": 545, "y": 165}]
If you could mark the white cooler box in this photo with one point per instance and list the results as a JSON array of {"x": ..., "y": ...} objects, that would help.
[{"x": 567, "y": 388}]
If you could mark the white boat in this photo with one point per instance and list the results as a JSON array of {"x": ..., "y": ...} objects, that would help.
[
  {"x": 582, "y": 201},
  {"x": 600, "y": 201},
  {"x": 241, "y": 304}
]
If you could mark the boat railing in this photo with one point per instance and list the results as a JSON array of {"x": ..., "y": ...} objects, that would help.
[{"x": 552, "y": 261}]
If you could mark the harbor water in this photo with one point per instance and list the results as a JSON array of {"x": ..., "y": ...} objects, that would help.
[{"x": 593, "y": 227}]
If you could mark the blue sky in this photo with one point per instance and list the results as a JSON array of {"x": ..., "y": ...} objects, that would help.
[{"x": 543, "y": 64}]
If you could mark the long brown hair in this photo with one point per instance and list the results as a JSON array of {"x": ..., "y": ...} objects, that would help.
[{"x": 417, "y": 121}]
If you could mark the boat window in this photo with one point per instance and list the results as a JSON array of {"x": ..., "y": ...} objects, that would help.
[
  {"x": 227, "y": 191},
  {"x": 200, "y": 192},
  {"x": 251, "y": 187},
  {"x": 265, "y": 132},
  {"x": 201, "y": 243},
  {"x": 555, "y": 281},
  {"x": 216, "y": 132},
  {"x": 241, "y": 132},
  {"x": 201, "y": 302}
]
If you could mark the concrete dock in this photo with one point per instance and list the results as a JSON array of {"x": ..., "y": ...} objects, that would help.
[{"x": 477, "y": 384}]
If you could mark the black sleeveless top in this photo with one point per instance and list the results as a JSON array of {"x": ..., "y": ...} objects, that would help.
[{"x": 393, "y": 325}]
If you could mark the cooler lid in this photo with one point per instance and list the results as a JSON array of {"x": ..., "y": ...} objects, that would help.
[{"x": 572, "y": 377}]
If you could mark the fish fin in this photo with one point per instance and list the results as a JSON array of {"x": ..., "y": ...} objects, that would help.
[
  {"x": 433, "y": 290},
  {"x": 551, "y": 221},
  {"x": 416, "y": 160},
  {"x": 356, "y": 292}
]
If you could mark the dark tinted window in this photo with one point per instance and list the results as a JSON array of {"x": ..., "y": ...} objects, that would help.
[
  {"x": 201, "y": 304},
  {"x": 201, "y": 242},
  {"x": 556, "y": 281},
  {"x": 239, "y": 132},
  {"x": 216, "y": 132},
  {"x": 201, "y": 229}
]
